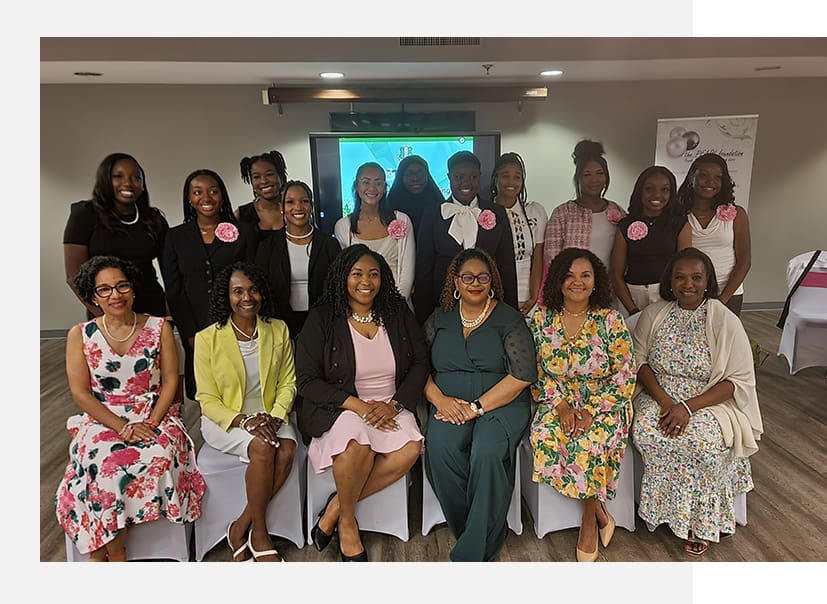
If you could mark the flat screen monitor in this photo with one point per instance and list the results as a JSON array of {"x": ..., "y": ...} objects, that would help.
[{"x": 335, "y": 157}]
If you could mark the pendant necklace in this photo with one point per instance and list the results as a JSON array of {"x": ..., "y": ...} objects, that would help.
[
  {"x": 240, "y": 331},
  {"x": 471, "y": 323},
  {"x": 113, "y": 338},
  {"x": 573, "y": 338}
]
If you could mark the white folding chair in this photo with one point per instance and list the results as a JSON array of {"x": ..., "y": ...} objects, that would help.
[
  {"x": 226, "y": 496},
  {"x": 432, "y": 511},
  {"x": 157, "y": 540},
  {"x": 804, "y": 338},
  {"x": 553, "y": 511},
  {"x": 383, "y": 512}
]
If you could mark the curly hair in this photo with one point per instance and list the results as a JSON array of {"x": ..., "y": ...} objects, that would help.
[
  {"x": 388, "y": 300},
  {"x": 225, "y": 212},
  {"x": 601, "y": 296},
  {"x": 686, "y": 191},
  {"x": 84, "y": 281},
  {"x": 672, "y": 212},
  {"x": 446, "y": 299},
  {"x": 586, "y": 151},
  {"x": 693, "y": 253},
  {"x": 220, "y": 310}
]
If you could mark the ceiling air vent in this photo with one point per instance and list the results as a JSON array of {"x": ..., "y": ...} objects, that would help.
[{"x": 422, "y": 41}]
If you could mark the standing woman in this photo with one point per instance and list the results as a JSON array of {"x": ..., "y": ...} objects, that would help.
[
  {"x": 265, "y": 173},
  {"x": 717, "y": 226},
  {"x": 528, "y": 225},
  {"x": 194, "y": 252},
  {"x": 414, "y": 189},
  {"x": 585, "y": 380},
  {"x": 361, "y": 364},
  {"x": 118, "y": 221},
  {"x": 483, "y": 360},
  {"x": 646, "y": 239},
  {"x": 130, "y": 459},
  {"x": 296, "y": 258},
  {"x": 589, "y": 220},
  {"x": 376, "y": 225},
  {"x": 246, "y": 385}
]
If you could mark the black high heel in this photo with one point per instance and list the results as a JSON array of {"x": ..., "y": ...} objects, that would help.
[
  {"x": 320, "y": 538},
  {"x": 360, "y": 557}
]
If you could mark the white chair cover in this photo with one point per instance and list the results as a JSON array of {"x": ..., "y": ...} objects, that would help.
[
  {"x": 225, "y": 499},
  {"x": 432, "y": 512},
  {"x": 157, "y": 540},
  {"x": 804, "y": 338},
  {"x": 383, "y": 512}
]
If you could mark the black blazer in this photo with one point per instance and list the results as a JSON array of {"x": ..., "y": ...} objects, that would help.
[
  {"x": 435, "y": 249},
  {"x": 326, "y": 366},
  {"x": 273, "y": 257},
  {"x": 189, "y": 267}
]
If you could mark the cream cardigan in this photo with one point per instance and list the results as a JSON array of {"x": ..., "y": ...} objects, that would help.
[{"x": 739, "y": 417}]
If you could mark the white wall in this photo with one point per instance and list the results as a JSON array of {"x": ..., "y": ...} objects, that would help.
[{"x": 173, "y": 130}]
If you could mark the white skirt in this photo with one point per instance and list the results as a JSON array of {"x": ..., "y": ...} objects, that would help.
[{"x": 236, "y": 441}]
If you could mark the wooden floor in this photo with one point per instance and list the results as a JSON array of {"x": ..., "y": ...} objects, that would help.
[{"x": 787, "y": 511}]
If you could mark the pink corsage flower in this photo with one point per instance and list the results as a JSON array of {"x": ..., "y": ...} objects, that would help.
[
  {"x": 487, "y": 219},
  {"x": 726, "y": 212},
  {"x": 226, "y": 232},
  {"x": 614, "y": 215},
  {"x": 397, "y": 229},
  {"x": 637, "y": 230}
]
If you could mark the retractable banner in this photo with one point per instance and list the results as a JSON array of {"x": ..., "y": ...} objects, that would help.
[{"x": 681, "y": 140}]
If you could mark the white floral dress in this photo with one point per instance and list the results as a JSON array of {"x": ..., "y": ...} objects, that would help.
[
  {"x": 689, "y": 482},
  {"x": 109, "y": 484}
]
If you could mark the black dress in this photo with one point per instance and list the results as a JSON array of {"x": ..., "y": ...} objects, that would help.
[
  {"x": 132, "y": 242},
  {"x": 248, "y": 215}
]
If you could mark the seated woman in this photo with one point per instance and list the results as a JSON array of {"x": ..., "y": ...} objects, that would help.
[
  {"x": 696, "y": 410},
  {"x": 297, "y": 257},
  {"x": 483, "y": 360},
  {"x": 646, "y": 239},
  {"x": 246, "y": 384},
  {"x": 130, "y": 458},
  {"x": 584, "y": 386},
  {"x": 361, "y": 364}
]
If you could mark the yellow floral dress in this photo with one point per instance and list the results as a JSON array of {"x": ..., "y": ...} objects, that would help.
[{"x": 596, "y": 374}]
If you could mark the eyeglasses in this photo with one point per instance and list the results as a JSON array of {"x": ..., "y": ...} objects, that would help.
[
  {"x": 468, "y": 278},
  {"x": 104, "y": 291}
]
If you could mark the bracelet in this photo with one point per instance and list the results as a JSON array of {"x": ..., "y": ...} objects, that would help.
[
  {"x": 151, "y": 422},
  {"x": 243, "y": 423},
  {"x": 685, "y": 406},
  {"x": 122, "y": 430}
]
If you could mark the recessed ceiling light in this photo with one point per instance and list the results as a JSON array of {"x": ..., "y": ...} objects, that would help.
[
  {"x": 332, "y": 75},
  {"x": 768, "y": 68},
  {"x": 87, "y": 73},
  {"x": 551, "y": 72}
]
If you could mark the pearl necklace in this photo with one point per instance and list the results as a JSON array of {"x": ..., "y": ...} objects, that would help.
[
  {"x": 358, "y": 319},
  {"x": 471, "y": 323},
  {"x": 305, "y": 236},
  {"x": 134, "y": 220},
  {"x": 244, "y": 333},
  {"x": 113, "y": 338}
]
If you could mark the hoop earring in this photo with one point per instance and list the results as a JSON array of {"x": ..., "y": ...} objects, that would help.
[
  {"x": 490, "y": 293},
  {"x": 456, "y": 294}
]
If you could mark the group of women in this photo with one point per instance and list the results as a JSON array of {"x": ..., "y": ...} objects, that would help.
[{"x": 496, "y": 321}]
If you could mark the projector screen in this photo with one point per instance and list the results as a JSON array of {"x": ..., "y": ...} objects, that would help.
[{"x": 335, "y": 157}]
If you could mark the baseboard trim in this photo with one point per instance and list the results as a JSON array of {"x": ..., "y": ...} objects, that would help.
[
  {"x": 53, "y": 334},
  {"x": 771, "y": 305}
]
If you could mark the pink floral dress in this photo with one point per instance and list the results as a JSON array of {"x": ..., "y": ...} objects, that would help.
[{"x": 108, "y": 484}]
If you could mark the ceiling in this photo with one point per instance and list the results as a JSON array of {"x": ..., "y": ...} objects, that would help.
[{"x": 445, "y": 61}]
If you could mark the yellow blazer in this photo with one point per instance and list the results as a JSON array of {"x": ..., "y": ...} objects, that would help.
[{"x": 221, "y": 379}]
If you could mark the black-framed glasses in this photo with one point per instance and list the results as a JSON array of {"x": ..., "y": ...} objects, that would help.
[
  {"x": 468, "y": 278},
  {"x": 104, "y": 291}
]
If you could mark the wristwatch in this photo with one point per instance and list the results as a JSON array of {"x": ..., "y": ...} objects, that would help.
[
  {"x": 398, "y": 407},
  {"x": 476, "y": 407}
]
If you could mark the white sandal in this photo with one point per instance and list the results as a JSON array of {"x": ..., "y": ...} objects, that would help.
[
  {"x": 260, "y": 554},
  {"x": 240, "y": 550}
]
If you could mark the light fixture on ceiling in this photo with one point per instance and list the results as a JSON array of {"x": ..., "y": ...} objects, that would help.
[
  {"x": 551, "y": 72},
  {"x": 331, "y": 75},
  {"x": 88, "y": 74},
  {"x": 768, "y": 68},
  {"x": 419, "y": 93}
]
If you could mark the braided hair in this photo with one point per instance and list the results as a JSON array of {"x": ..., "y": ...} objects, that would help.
[
  {"x": 274, "y": 158},
  {"x": 220, "y": 310},
  {"x": 507, "y": 159},
  {"x": 388, "y": 300},
  {"x": 225, "y": 211},
  {"x": 446, "y": 299}
]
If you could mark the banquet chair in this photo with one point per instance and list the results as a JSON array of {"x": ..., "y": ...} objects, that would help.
[
  {"x": 552, "y": 511},
  {"x": 225, "y": 499},
  {"x": 383, "y": 512},
  {"x": 432, "y": 511},
  {"x": 157, "y": 540},
  {"x": 804, "y": 336}
]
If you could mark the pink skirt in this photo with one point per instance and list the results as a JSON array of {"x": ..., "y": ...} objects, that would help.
[{"x": 349, "y": 426}]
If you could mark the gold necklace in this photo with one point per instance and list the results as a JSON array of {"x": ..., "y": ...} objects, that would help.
[
  {"x": 566, "y": 311},
  {"x": 573, "y": 339},
  {"x": 113, "y": 338}
]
